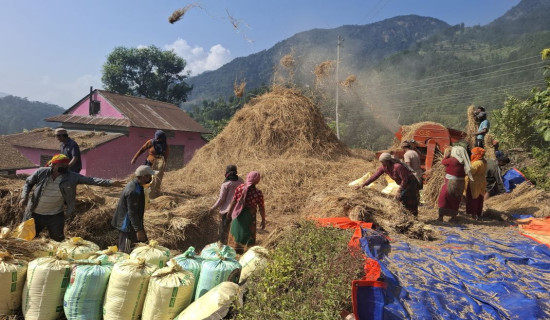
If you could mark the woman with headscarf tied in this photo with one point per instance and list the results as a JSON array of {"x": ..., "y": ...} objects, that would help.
[
  {"x": 408, "y": 192},
  {"x": 157, "y": 156},
  {"x": 476, "y": 189},
  {"x": 243, "y": 208},
  {"x": 227, "y": 191},
  {"x": 457, "y": 166}
]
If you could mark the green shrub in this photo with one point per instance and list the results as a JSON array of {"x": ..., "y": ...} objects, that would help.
[{"x": 309, "y": 276}]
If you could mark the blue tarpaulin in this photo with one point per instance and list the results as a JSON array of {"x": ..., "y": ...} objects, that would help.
[
  {"x": 512, "y": 178},
  {"x": 470, "y": 275}
]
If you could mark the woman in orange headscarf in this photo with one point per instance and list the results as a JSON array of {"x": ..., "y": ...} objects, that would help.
[{"x": 476, "y": 189}]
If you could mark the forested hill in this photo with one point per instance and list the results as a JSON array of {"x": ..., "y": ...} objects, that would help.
[
  {"x": 364, "y": 45},
  {"x": 19, "y": 114},
  {"x": 405, "y": 70}
]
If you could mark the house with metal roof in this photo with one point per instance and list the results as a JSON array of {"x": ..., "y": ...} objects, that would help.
[
  {"x": 12, "y": 160},
  {"x": 110, "y": 128}
]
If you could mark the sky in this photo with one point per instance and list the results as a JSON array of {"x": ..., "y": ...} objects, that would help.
[{"x": 53, "y": 51}]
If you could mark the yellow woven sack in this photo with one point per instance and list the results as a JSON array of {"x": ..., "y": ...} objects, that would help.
[{"x": 25, "y": 230}]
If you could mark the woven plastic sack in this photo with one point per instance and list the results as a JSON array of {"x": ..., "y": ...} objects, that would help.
[
  {"x": 153, "y": 253},
  {"x": 46, "y": 247},
  {"x": 170, "y": 291},
  {"x": 12, "y": 280},
  {"x": 191, "y": 262},
  {"x": 126, "y": 290},
  {"x": 253, "y": 260},
  {"x": 110, "y": 255},
  {"x": 25, "y": 230},
  {"x": 47, "y": 280},
  {"x": 212, "y": 251},
  {"x": 214, "y": 305},
  {"x": 83, "y": 299},
  {"x": 78, "y": 248},
  {"x": 215, "y": 271}
]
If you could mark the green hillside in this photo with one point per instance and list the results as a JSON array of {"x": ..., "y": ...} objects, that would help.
[
  {"x": 19, "y": 114},
  {"x": 406, "y": 69}
]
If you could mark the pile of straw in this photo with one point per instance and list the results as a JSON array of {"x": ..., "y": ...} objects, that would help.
[
  {"x": 524, "y": 199},
  {"x": 367, "y": 205},
  {"x": 489, "y": 148},
  {"x": 10, "y": 212}
]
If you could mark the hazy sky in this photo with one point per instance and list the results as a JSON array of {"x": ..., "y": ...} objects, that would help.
[{"x": 53, "y": 51}]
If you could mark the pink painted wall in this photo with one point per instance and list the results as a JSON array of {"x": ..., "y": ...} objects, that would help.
[
  {"x": 112, "y": 159},
  {"x": 105, "y": 110},
  {"x": 34, "y": 156}
]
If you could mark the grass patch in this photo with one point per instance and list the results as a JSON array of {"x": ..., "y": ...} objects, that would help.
[{"x": 309, "y": 276}]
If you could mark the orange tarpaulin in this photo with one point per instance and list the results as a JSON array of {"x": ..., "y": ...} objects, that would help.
[
  {"x": 537, "y": 229},
  {"x": 371, "y": 267}
]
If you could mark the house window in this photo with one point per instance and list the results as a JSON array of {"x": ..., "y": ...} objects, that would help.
[
  {"x": 175, "y": 161},
  {"x": 44, "y": 158}
]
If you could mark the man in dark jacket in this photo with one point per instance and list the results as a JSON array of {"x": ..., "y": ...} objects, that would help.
[
  {"x": 70, "y": 148},
  {"x": 55, "y": 188},
  {"x": 128, "y": 218}
]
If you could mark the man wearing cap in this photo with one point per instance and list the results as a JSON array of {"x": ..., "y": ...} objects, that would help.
[
  {"x": 54, "y": 195},
  {"x": 70, "y": 148},
  {"x": 128, "y": 217},
  {"x": 484, "y": 125}
]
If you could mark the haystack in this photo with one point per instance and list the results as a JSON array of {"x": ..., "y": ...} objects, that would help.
[{"x": 524, "y": 199}]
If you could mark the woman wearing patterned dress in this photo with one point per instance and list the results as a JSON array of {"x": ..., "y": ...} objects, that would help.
[{"x": 244, "y": 206}]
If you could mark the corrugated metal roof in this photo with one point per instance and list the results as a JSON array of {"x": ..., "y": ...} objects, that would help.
[
  {"x": 44, "y": 138},
  {"x": 12, "y": 159},
  {"x": 139, "y": 112}
]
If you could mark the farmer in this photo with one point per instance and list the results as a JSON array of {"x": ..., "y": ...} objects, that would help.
[
  {"x": 227, "y": 191},
  {"x": 484, "y": 125},
  {"x": 128, "y": 217},
  {"x": 408, "y": 185},
  {"x": 495, "y": 185},
  {"x": 244, "y": 206},
  {"x": 70, "y": 148},
  {"x": 412, "y": 159},
  {"x": 475, "y": 190},
  {"x": 157, "y": 156},
  {"x": 457, "y": 166},
  {"x": 55, "y": 188}
]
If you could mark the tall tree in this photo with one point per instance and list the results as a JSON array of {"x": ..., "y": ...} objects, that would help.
[{"x": 146, "y": 72}]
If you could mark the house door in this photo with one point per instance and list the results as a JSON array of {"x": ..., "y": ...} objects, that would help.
[{"x": 175, "y": 160}]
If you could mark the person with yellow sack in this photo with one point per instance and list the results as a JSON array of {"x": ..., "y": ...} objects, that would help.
[{"x": 54, "y": 196}]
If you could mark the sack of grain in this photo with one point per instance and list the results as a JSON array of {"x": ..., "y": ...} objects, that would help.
[
  {"x": 47, "y": 280},
  {"x": 215, "y": 271},
  {"x": 78, "y": 248},
  {"x": 25, "y": 230},
  {"x": 46, "y": 247},
  {"x": 111, "y": 255},
  {"x": 12, "y": 280},
  {"x": 191, "y": 262},
  {"x": 153, "y": 253},
  {"x": 83, "y": 299},
  {"x": 214, "y": 305},
  {"x": 170, "y": 291},
  {"x": 252, "y": 260},
  {"x": 126, "y": 290},
  {"x": 212, "y": 251}
]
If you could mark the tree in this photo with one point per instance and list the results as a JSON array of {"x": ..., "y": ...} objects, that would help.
[{"x": 146, "y": 72}]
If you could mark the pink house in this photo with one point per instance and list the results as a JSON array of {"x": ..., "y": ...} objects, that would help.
[{"x": 110, "y": 128}]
